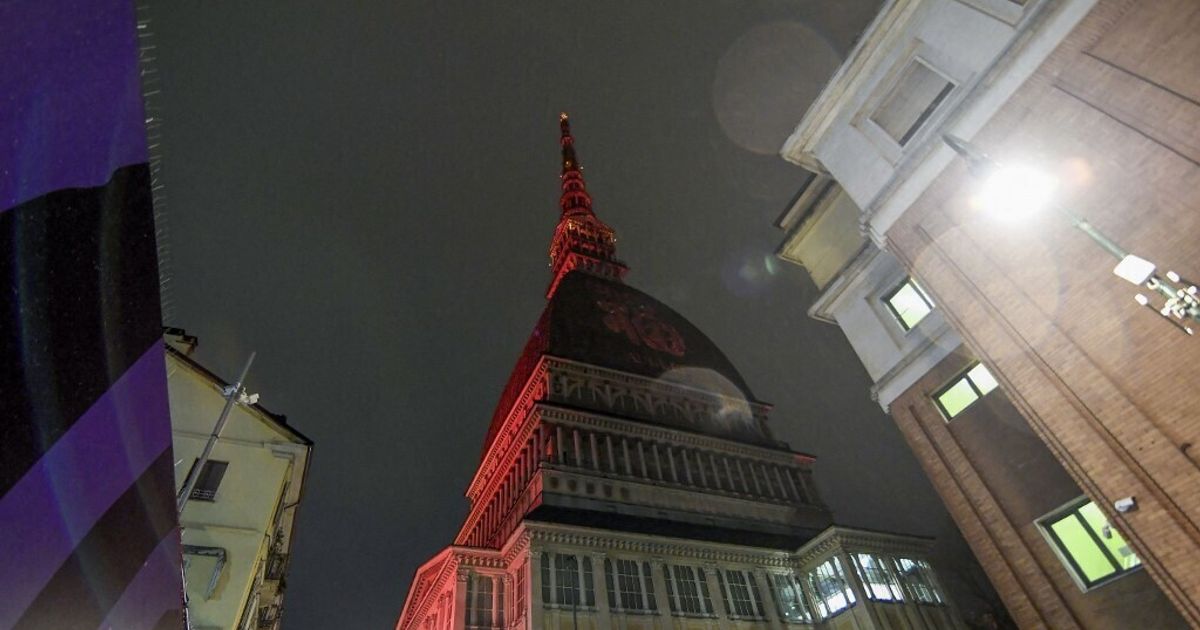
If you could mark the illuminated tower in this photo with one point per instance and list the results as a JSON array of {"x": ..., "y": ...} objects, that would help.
[{"x": 629, "y": 479}]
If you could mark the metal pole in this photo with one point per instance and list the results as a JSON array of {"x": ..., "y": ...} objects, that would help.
[{"x": 186, "y": 491}]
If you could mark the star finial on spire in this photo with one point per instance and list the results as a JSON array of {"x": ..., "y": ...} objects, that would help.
[{"x": 569, "y": 161}]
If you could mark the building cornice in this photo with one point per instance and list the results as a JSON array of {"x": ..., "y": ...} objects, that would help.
[
  {"x": 871, "y": 49},
  {"x": 501, "y": 448},
  {"x": 550, "y": 412},
  {"x": 1035, "y": 36}
]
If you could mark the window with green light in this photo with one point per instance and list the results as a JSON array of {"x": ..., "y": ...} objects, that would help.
[
  {"x": 961, "y": 392},
  {"x": 908, "y": 303},
  {"x": 1091, "y": 548}
]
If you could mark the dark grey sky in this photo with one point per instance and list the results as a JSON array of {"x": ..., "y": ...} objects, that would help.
[{"x": 364, "y": 193}]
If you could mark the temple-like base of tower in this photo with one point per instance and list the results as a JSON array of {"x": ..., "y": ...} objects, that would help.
[{"x": 569, "y": 577}]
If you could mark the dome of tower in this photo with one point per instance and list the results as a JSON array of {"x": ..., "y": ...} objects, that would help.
[{"x": 608, "y": 324}]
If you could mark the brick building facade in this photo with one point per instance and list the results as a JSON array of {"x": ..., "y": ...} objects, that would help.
[{"x": 1095, "y": 392}]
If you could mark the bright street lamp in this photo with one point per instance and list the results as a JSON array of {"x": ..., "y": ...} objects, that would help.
[{"x": 1015, "y": 192}]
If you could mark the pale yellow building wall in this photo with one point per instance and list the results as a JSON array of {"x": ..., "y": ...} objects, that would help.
[
  {"x": 827, "y": 239},
  {"x": 263, "y": 461}
]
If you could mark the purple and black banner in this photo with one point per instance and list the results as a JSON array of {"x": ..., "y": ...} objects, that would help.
[{"x": 88, "y": 533}]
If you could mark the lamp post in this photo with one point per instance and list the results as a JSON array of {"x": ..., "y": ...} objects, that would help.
[{"x": 1020, "y": 189}]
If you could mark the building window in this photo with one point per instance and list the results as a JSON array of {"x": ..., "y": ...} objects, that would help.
[
  {"x": 917, "y": 575},
  {"x": 793, "y": 607},
  {"x": 831, "y": 591},
  {"x": 209, "y": 479},
  {"x": 589, "y": 587},
  {"x": 635, "y": 590},
  {"x": 908, "y": 303},
  {"x": 479, "y": 601},
  {"x": 519, "y": 595},
  {"x": 878, "y": 578},
  {"x": 1092, "y": 549},
  {"x": 648, "y": 584},
  {"x": 961, "y": 392},
  {"x": 913, "y": 100},
  {"x": 566, "y": 578},
  {"x": 687, "y": 591},
  {"x": 739, "y": 591},
  {"x": 561, "y": 581}
]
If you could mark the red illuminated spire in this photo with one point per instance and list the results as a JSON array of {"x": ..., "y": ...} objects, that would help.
[{"x": 581, "y": 241}]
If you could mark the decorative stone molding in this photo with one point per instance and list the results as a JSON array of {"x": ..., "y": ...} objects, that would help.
[
  {"x": 655, "y": 433},
  {"x": 649, "y": 396},
  {"x": 648, "y": 546}
]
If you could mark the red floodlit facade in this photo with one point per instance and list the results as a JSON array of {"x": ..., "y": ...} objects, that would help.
[{"x": 629, "y": 477}]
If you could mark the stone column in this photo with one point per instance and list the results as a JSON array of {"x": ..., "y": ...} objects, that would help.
[
  {"x": 460, "y": 598},
  {"x": 612, "y": 458},
  {"x": 499, "y": 607},
  {"x": 595, "y": 451},
  {"x": 770, "y": 606},
  {"x": 787, "y": 473},
  {"x": 578, "y": 448},
  {"x": 716, "y": 596},
  {"x": 782, "y": 486},
  {"x": 533, "y": 603},
  {"x": 766, "y": 477},
  {"x": 603, "y": 614},
  {"x": 628, "y": 461},
  {"x": 712, "y": 460},
  {"x": 657, "y": 566},
  {"x": 700, "y": 469},
  {"x": 729, "y": 474}
]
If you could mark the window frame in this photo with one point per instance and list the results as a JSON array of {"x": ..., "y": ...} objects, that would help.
[
  {"x": 816, "y": 578},
  {"x": 963, "y": 375},
  {"x": 803, "y": 608},
  {"x": 200, "y": 493},
  {"x": 917, "y": 51},
  {"x": 879, "y": 578},
  {"x": 687, "y": 591},
  {"x": 624, "y": 581},
  {"x": 886, "y": 298},
  {"x": 928, "y": 109},
  {"x": 1072, "y": 509}
]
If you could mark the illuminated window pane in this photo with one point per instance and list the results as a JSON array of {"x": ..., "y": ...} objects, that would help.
[
  {"x": 974, "y": 384},
  {"x": 958, "y": 397},
  {"x": 1112, "y": 539},
  {"x": 983, "y": 379},
  {"x": 1093, "y": 550},
  {"x": 1077, "y": 542},
  {"x": 908, "y": 304}
]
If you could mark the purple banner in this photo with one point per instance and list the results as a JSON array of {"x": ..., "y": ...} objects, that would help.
[{"x": 89, "y": 536}]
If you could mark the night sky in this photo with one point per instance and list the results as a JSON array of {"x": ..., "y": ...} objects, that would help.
[{"x": 364, "y": 193}]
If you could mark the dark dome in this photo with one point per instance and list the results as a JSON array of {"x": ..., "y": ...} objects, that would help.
[{"x": 603, "y": 322}]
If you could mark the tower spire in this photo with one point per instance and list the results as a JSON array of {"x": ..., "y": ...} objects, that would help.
[
  {"x": 575, "y": 198},
  {"x": 581, "y": 241}
]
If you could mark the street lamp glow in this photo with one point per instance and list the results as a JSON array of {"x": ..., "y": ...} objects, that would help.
[{"x": 1015, "y": 193}]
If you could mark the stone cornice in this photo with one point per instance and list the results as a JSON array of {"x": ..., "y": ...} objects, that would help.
[
  {"x": 846, "y": 83},
  {"x": 758, "y": 409},
  {"x": 654, "y": 546},
  {"x": 549, "y": 412},
  {"x": 501, "y": 445},
  {"x": 842, "y": 539}
]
